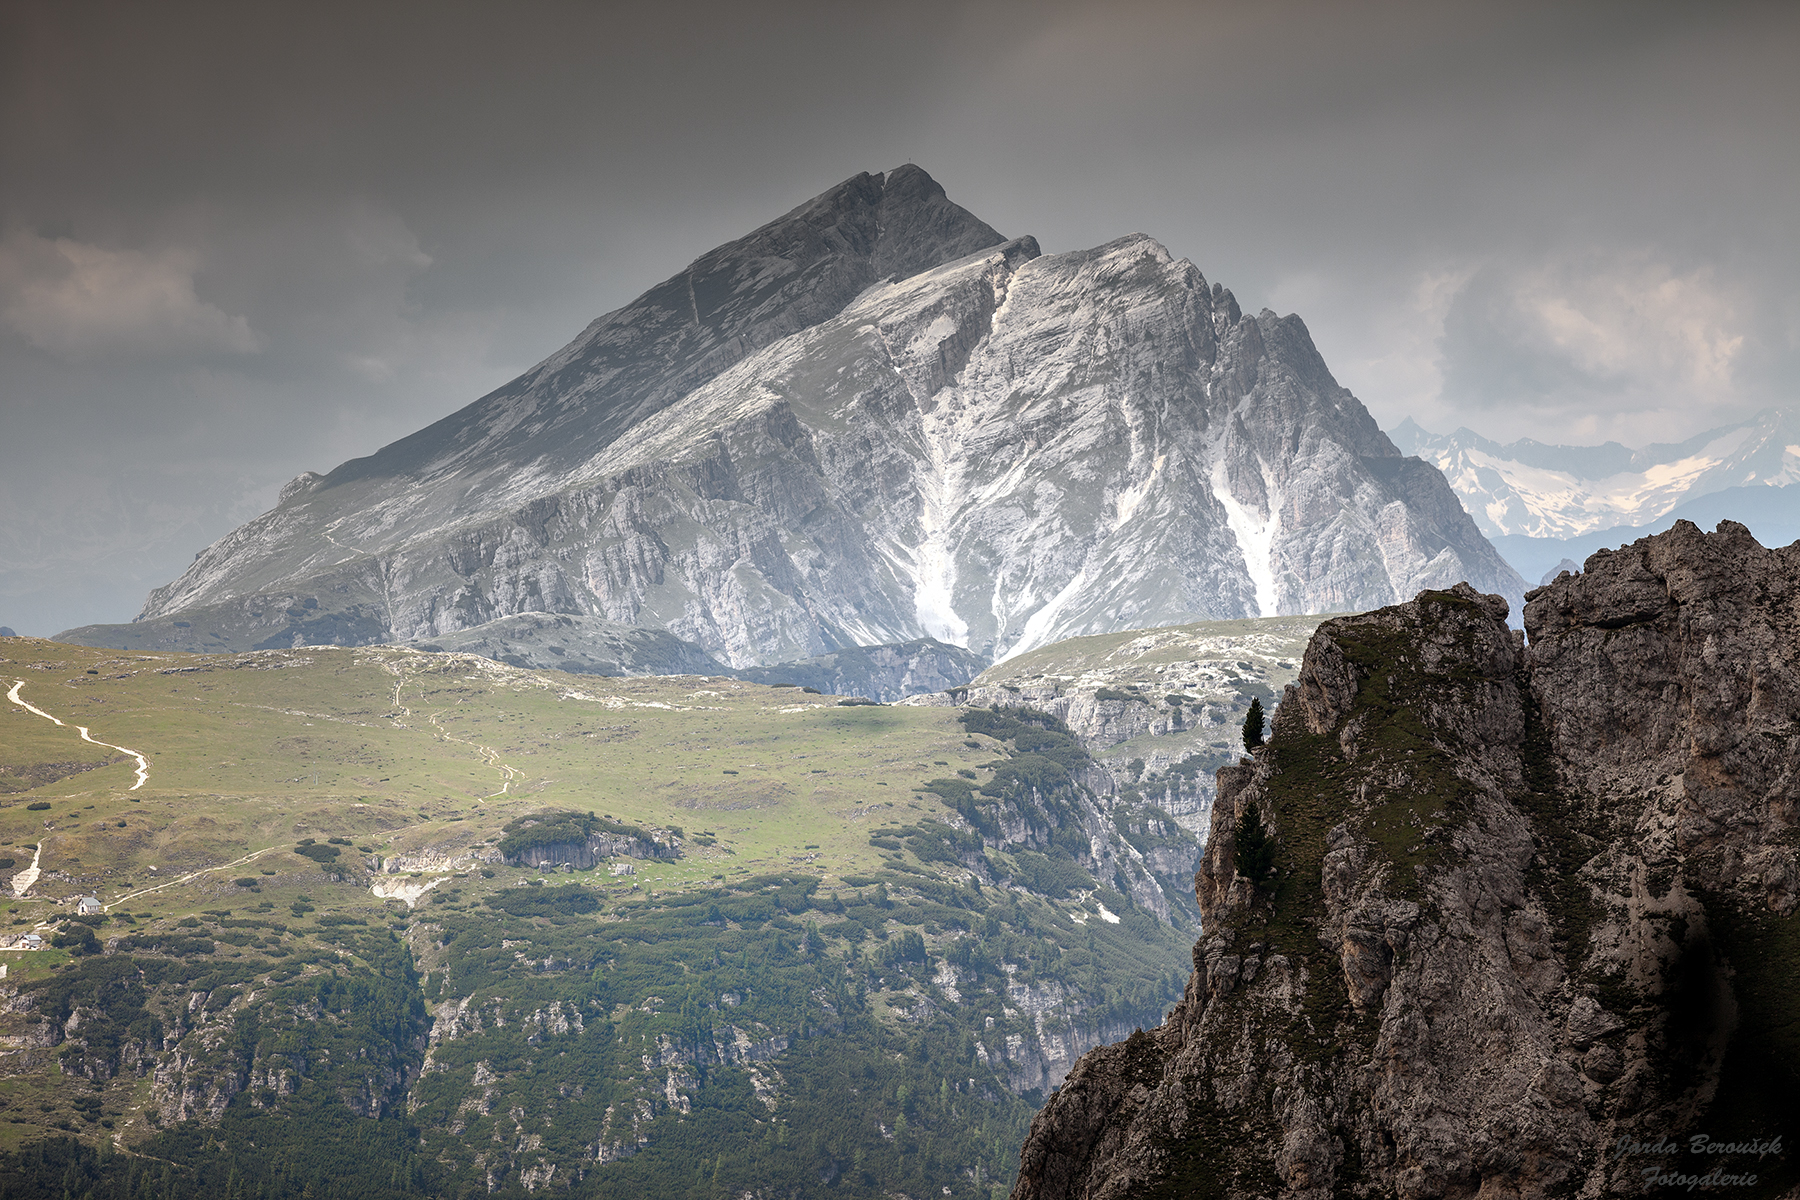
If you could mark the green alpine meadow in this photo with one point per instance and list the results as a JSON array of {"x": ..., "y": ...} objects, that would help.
[{"x": 379, "y": 922}]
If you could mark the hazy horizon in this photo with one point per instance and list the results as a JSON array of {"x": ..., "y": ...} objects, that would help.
[{"x": 239, "y": 244}]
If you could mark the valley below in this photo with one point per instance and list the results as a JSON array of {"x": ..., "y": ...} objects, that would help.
[{"x": 381, "y": 921}]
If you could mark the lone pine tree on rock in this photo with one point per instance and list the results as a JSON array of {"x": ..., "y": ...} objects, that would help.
[
  {"x": 1253, "y": 725},
  {"x": 1253, "y": 851}
]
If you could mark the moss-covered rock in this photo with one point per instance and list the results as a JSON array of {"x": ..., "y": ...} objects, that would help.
[{"x": 1523, "y": 904}]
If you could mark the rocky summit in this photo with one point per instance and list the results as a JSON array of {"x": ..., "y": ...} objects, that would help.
[
  {"x": 872, "y": 421},
  {"x": 1489, "y": 919}
]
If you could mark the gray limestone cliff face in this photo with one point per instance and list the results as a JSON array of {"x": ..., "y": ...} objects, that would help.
[
  {"x": 869, "y": 422},
  {"x": 587, "y": 854},
  {"x": 1158, "y": 710},
  {"x": 1524, "y": 904}
]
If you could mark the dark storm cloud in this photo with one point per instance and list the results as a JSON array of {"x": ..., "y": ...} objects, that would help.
[{"x": 240, "y": 241}]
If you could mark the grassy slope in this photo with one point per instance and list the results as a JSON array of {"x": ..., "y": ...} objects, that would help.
[
  {"x": 423, "y": 758},
  {"x": 404, "y": 751},
  {"x": 1219, "y": 665},
  {"x": 1145, "y": 654}
]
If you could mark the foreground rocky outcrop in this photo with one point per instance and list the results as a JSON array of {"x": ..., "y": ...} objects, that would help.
[{"x": 1529, "y": 924}]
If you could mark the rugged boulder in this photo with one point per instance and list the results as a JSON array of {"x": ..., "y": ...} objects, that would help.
[
  {"x": 1532, "y": 925},
  {"x": 581, "y": 841}
]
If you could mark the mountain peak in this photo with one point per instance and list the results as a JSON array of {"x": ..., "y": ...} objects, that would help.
[
  {"x": 901, "y": 220},
  {"x": 791, "y": 274},
  {"x": 922, "y": 227},
  {"x": 869, "y": 420}
]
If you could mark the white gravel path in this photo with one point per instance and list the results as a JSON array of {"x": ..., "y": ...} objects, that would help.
[{"x": 143, "y": 764}]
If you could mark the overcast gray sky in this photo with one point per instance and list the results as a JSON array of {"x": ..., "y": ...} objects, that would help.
[{"x": 242, "y": 241}]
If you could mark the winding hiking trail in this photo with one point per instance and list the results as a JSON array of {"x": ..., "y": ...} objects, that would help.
[
  {"x": 23, "y": 881},
  {"x": 143, "y": 764},
  {"x": 191, "y": 875},
  {"x": 488, "y": 754}
]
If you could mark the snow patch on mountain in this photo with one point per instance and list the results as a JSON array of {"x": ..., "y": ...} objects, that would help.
[
  {"x": 826, "y": 435},
  {"x": 1255, "y": 538},
  {"x": 1128, "y": 501},
  {"x": 1041, "y": 626},
  {"x": 1543, "y": 491}
]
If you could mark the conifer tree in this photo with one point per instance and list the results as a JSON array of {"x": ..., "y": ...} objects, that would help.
[
  {"x": 1253, "y": 851},
  {"x": 1253, "y": 725}
]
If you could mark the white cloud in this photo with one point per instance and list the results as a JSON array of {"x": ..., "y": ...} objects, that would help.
[
  {"x": 1635, "y": 320},
  {"x": 1624, "y": 339},
  {"x": 79, "y": 301}
]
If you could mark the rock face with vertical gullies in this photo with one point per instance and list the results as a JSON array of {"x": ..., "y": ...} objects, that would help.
[
  {"x": 1531, "y": 910},
  {"x": 872, "y": 421}
]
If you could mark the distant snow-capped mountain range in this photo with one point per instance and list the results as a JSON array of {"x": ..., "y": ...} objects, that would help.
[{"x": 1526, "y": 488}]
